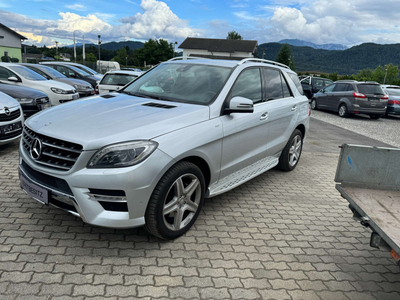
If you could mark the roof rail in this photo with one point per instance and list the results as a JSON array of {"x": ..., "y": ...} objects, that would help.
[
  {"x": 264, "y": 61},
  {"x": 186, "y": 57}
]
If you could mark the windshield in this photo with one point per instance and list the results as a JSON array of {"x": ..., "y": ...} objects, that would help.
[
  {"x": 50, "y": 71},
  {"x": 181, "y": 82},
  {"x": 370, "y": 89},
  {"x": 86, "y": 69},
  {"x": 117, "y": 79},
  {"x": 393, "y": 92},
  {"x": 27, "y": 73}
]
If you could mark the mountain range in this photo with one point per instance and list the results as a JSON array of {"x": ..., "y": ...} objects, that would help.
[
  {"x": 301, "y": 43},
  {"x": 112, "y": 45}
]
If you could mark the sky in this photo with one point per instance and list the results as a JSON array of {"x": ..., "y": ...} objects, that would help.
[{"x": 347, "y": 22}]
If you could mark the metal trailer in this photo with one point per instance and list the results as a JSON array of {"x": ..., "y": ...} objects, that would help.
[{"x": 369, "y": 179}]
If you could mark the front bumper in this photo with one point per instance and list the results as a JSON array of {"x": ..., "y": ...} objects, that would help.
[
  {"x": 73, "y": 190},
  {"x": 85, "y": 92}
]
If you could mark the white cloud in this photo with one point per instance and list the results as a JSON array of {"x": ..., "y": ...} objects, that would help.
[{"x": 78, "y": 7}]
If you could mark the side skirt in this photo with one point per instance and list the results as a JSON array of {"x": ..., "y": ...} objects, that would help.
[{"x": 231, "y": 181}]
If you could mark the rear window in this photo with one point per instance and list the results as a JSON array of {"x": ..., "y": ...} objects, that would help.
[
  {"x": 393, "y": 92},
  {"x": 370, "y": 89},
  {"x": 296, "y": 81},
  {"x": 117, "y": 79}
]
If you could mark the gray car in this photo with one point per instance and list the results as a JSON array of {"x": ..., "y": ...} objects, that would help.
[
  {"x": 82, "y": 87},
  {"x": 151, "y": 153},
  {"x": 347, "y": 97}
]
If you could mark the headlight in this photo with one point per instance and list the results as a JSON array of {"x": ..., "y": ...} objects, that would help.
[
  {"x": 58, "y": 91},
  {"x": 81, "y": 87},
  {"x": 25, "y": 100},
  {"x": 122, "y": 155}
]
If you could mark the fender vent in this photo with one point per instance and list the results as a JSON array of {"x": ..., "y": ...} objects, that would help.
[
  {"x": 107, "y": 96},
  {"x": 159, "y": 105}
]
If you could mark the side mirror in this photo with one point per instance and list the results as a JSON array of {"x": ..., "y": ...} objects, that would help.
[
  {"x": 13, "y": 78},
  {"x": 240, "y": 105}
]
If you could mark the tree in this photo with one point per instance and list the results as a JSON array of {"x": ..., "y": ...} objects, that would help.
[
  {"x": 233, "y": 35},
  {"x": 154, "y": 52},
  {"x": 284, "y": 55},
  {"x": 121, "y": 56}
]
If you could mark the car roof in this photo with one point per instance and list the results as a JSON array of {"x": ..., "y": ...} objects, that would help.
[
  {"x": 124, "y": 72},
  {"x": 4, "y": 64},
  {"x": 231, "y": 63}
]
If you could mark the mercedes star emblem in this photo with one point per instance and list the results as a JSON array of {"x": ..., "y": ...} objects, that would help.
[
  {"x": 7, "y": 111},
  {"x": 36, "y": 150}
]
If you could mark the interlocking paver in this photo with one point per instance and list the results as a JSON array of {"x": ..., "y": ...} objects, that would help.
[{"x": 279, "y": 236}]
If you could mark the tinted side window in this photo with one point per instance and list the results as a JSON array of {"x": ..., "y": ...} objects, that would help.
[
  {"x": 4, "y": 73},
  {"x": 296, "y": 81},
  {"x": 318, "y": 83},
  {"x": 248, "y": 85},
  {"x": 40, "y": 72},
  {"x": 328, "y": 82},
  {"x": 340, "y": 87},
  {"x": 285, "y": 88},
  {"x": 330, "y": 88},
  {"x": 273, "y": 84},
  {"x": 350, "y": 88},
  {"x": 65, "y": 71}
]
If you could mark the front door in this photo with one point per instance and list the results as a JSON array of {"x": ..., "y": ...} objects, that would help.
[{"x": 245, "y": 134}]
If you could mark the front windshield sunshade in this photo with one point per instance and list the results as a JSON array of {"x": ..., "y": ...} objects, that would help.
[{"x": 181, "y": 82}]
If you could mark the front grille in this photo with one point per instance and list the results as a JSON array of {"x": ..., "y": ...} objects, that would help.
[
  {"x": 13, "y": 115},
  {"x": 56, "y": 154},
  {"x": 42, "y": 100}
]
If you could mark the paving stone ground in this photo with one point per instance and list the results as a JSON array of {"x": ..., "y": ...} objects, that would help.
[{"x": 279, "y": 236}]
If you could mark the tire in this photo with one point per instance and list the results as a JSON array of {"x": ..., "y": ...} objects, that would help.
[
  {"x": 343, "y": 111},
  {"x": 314, "y": 105},
  {"x": 289, "y": 156},
  {"x": 375, "y": 117},
  {"x": 172, "y": 205}
]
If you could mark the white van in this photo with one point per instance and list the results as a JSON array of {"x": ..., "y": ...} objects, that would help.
[{"x": 105, "y": 66}]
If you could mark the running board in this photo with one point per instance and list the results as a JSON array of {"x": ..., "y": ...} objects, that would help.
[{"x": 231, "y": 181}]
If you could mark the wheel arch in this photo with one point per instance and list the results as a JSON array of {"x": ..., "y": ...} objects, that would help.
[
  {"x": 302, "y": 129},
  {"x": 203, "y": 166}
]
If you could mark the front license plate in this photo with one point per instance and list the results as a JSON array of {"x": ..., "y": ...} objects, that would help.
[
  {"x": 33, "y": 190},
  {"x": 12, "y": 127},
  {"x": 74, "y": 97}
]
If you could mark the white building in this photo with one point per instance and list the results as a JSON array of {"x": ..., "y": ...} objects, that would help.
[{"x": 218, "y": 48}]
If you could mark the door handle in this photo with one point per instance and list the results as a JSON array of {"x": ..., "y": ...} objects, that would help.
[
  {"x": 294, "y": 108},
  {"x": 264, "y": 116}
]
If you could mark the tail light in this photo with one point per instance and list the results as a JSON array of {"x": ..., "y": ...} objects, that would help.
[
  {"x": 309, "y": 110},
  {"x": 385, "y": 97},
  {"x": 394, "y": 102},
  {"x": 359, "y": 95},
  {"x": 96, "y": 90}
]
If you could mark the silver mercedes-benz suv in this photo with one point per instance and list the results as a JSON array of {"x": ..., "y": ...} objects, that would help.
[{"x": 148, "y": 155}]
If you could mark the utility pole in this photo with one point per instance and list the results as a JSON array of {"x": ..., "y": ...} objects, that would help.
[
  {"x": 174, "y": 48},
  {"x": 56, "y": 49},
  {"x": 126, "y": 61},
  {"x": 384, "y": 80},
  {"x": 99, "y": 36}
]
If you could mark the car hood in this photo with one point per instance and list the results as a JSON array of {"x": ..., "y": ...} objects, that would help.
[
  {"x": 97, "y": 121},
  {"x": 51, "y": 83},
  {"x": 7, "y": 101},
  {"x": 72, "y": 81},
  {"x": 21, "y": 92}
]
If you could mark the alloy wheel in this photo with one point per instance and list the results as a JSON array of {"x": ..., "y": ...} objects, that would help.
[
  {"x": 295, "y": 150},
  {"x": 181, "y": 202}
]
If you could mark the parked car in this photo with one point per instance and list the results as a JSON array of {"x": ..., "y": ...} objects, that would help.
[
  {"x": 105, "y": 66},
  {"x": 84, "y": 68},
  {"x": 73, "y": 72},
  {"x": 393, "y": 91},
  {"x": 82, "y": 87},
  {"x": 115, "y": 80},
  {"x": 312, "y": 85},
  {"x": 150, "y": 154},
  {"x": 31, "y": 100},
  {"x": 132, "y": 69},
  {"x": 352, "y": 97},
  {"x": 18, "y": 75},
  {"x": 11, "y": 119}
]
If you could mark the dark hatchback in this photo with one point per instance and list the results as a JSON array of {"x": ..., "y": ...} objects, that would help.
[
  {"x": 31, "y": 100},
  {"x": 74, "y": 72},
  {"x": 347, "y": 97}
]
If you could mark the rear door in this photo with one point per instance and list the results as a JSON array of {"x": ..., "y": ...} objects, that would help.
[
  {"x": 324, "y": 98},
  {"x": 339, "y": 92},
  {"x": 373, "y": 93},
  {"x": 283, "y": 109}
]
